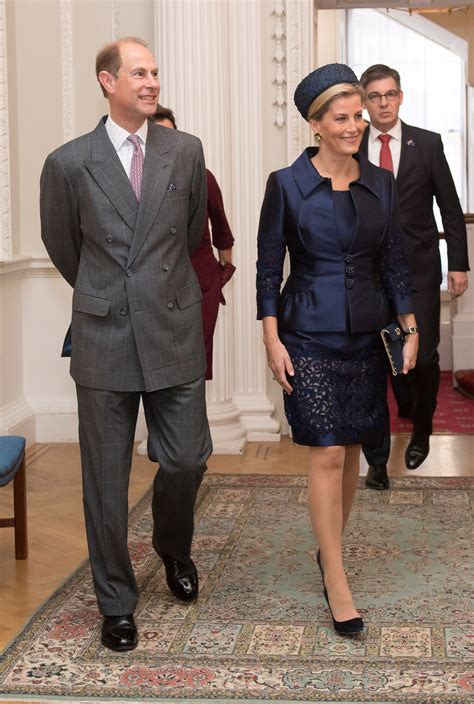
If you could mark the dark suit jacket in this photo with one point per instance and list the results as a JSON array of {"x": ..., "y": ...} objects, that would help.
[
  {"x": 423, "y": 173},
  {"x": 329, "y": 290},
  {"x": 136, "y": 320}
]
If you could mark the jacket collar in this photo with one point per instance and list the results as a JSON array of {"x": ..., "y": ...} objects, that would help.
[
  {"x": 408, "y": 153},
  {"x": 107, "y": 170},
  {"x": 308, "y": 178}
]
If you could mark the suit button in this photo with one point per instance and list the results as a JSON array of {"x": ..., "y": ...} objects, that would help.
[
  {"x": 109, "y": 238},
  {"x": 123, "y": 311},
  {"x": 166, "y": 267},
  {"x": 172, "y": 230},
  {"x": 129, "y": 272},
  {"x": 169, "y": 304}
]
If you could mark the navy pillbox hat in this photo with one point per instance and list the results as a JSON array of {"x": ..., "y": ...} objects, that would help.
[{"x": 318, "y": 81}]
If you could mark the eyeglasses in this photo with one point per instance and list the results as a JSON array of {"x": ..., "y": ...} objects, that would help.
[{"x": 390, "y": 96}]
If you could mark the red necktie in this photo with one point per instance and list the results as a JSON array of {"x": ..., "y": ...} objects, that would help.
[
  {"x": 136, "y": 168},
  {"x": 386, "y": 161}
]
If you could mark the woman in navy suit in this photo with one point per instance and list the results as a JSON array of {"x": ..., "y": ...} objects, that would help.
[{"x": 337, "y": 216}]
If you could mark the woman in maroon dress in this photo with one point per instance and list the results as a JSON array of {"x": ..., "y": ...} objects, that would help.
[{"x": 212, "y": 273}]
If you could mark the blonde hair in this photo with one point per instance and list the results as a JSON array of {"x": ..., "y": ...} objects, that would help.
[{"x": 320, "y": 105}]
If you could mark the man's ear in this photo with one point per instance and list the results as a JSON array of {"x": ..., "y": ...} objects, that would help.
[
  {"x": 107, "y": 81},
  {"x": 400, "y": 97}
]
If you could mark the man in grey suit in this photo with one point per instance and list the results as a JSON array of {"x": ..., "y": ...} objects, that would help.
[{"x": 122, "y": 208}]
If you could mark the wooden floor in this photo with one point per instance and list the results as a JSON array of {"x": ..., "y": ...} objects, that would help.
[{"x": 55, "y": 520}]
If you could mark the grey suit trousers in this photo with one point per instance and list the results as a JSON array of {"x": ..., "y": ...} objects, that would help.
[{"x": 178, "y": 439}]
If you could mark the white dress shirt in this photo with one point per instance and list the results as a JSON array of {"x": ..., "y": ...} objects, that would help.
[
  {"x": 124, "y": 148},
  {"x": 395, "y": 144}
]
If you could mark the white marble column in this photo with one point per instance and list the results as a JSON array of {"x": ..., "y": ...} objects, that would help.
[
  {"x": 245, "y": 103},
  {"x": 192, "y": 52},
  {"x": 463, "y": 321}
]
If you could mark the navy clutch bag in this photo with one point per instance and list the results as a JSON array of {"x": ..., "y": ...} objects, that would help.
[{"x": 393, "y": 339}]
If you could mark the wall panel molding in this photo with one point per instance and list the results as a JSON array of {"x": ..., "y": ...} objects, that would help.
[
  {"x": 299, "y": 61},
  {"x": 279, "y": 59},
  {"x": 115, "y": 18},
  {"x": 67, "y": 69},
  {"x": 28, "y": 266},
  {"x": 5, "y": 202},
  {"x": 14, "y": 414}
]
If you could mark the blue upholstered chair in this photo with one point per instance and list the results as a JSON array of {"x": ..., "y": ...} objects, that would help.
[{"x": 12, "y": 466}]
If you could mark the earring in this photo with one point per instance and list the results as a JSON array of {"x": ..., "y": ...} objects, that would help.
[{"x": 317, "y": 138}]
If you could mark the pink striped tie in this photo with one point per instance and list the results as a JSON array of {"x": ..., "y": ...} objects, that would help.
[{"x": 136, "y": 168}]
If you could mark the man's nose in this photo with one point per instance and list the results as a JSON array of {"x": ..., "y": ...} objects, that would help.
[
  {"x": 383, "y": 100},
  {"x": 153, "y": 81}
]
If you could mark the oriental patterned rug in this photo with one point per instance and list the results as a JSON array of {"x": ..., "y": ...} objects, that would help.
[{"x": 260, "y": 630}]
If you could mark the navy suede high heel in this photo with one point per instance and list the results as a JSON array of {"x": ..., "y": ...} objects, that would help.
[{"x": 344, "y": 628}]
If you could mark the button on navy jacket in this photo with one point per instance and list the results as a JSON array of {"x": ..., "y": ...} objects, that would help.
[{"x": 329, "y": 290}]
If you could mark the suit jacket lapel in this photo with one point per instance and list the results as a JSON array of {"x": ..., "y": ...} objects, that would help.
[
  {"x": 159, "y": 159},
  {"x": 407, "y": 152},
  {"x": 106, "y": 169}
]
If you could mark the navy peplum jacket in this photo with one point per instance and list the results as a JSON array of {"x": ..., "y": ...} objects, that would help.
[{"x": 328, "y": 289}]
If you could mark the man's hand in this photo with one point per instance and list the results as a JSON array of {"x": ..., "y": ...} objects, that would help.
[{"x": 457, "y": 283}]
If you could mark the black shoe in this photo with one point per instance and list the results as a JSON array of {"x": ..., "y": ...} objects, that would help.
[
  {"x": 417, "y": 450},
  {"x": 377, "y": 477},
  {"x": 344, "y": 628},
  {"x": 119, "y": 633},
  {"x": 181, "y": 579}
]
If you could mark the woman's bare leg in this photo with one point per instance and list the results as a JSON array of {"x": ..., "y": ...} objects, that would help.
[
  {"x": 325, "y": 499},
  {"x": 350, "y": 480}
]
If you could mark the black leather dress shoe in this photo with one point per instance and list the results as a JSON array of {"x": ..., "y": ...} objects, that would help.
[
  {"x": 119, "y": 633},
  {"x": 417, "y": 450},
  {"x": 377, "y": 477},
  {"x": 181, "y": 579}
]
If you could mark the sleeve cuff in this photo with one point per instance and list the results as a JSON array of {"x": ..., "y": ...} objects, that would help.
[
  {"x": 402, "y": 304},
  {"x": 267, "y": 306}
]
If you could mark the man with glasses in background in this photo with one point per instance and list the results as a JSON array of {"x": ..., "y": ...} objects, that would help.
[{"x": 417, "y": 160}]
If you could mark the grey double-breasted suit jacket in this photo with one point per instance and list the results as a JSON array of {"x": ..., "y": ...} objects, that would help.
[{"x": 136, "y": 312}]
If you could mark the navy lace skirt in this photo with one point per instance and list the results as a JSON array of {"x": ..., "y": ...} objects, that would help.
[{"x": 339, "y": 388}]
